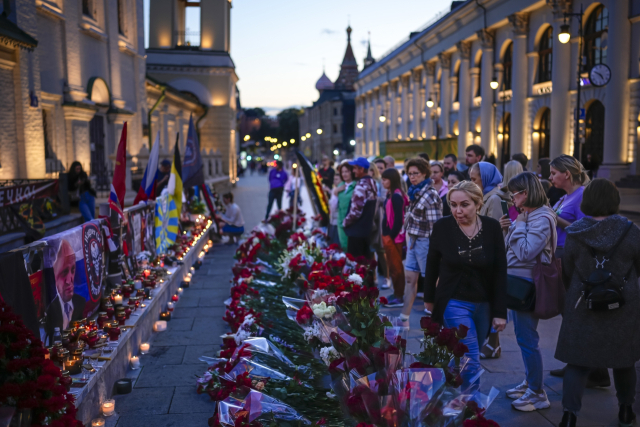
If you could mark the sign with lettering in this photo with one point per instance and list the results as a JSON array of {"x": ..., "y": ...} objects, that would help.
[{"x": 27, "y": 192}]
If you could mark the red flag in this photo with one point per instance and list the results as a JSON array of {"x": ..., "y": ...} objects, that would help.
[{"x": 118, "y": 185}]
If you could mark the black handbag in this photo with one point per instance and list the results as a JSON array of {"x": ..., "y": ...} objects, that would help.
[
  {"x": 521, "y": 294},
  {"x": 601, "y": 292}
]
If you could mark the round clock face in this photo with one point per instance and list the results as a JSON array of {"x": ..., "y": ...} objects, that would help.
[{"x": 599, "y": 75}]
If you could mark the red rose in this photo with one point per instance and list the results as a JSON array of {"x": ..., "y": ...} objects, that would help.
[
  {"x": 462, "y": 331},
  {"x": 383, "y": 300},
  {"x": 459, "y": 349}
]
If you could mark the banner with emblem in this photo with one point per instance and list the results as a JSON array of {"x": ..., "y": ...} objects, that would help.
[
  {"x": 166, "y": 223},
  {"x": 74, "y": 272}
]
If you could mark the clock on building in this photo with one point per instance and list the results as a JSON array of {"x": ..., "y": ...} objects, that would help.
[{"x": 600, "y": 75}]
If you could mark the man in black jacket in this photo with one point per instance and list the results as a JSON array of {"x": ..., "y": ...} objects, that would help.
[{"x": 66, "y": 306}]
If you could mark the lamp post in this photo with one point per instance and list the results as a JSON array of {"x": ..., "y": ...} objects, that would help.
[
  {"x": 564, "y": 36},
  {"x": 383, "y": 120}
]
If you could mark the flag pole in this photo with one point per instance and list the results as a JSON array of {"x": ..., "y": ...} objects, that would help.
[{"x": 295, "y": 197}]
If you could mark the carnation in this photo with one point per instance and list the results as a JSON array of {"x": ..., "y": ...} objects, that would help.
[
  {"x": 355, "y": 278},
  {"x": 329, "y": 354}
]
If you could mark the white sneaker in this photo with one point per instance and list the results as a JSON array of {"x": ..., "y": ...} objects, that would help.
[
  {"x": 518, "y": 391},
  {"x": 420, "y": 295},
  {"x": 384, "y": 283},
  {"x": 531, "y": 401}
]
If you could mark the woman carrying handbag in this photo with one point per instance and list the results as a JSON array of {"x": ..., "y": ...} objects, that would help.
[{"x": 530, "y": 242}]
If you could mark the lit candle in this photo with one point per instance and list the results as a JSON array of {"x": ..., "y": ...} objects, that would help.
[
  {"x": 160, "y": 325},
  {"x": 144, "y": 347},
  {"x": 180, "y": 291},
  {"x": 192, "y": 269},
  {"x": 189, "y": 275},
  {"x": 143, "y": 305},
  {"x": 175, "y": 298},
  {"x": 135, "y": 362},
  {"x": 108, "y": 407},
  {"x": 170, "y": 306},
  {"x": 117, "y": 300},
  {"x": 147, "y": 273},
  {"x": 98, "y": 422}
]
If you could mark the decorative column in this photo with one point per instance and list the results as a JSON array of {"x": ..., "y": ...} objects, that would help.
[
  {"x": 430, "y": 70},
  {"x": 563, "y": 73},
  {"x": 487, "y": 134},
  {"x": 392, "y": 109},
  {"x": 404, "y": 110},
  {"x": 616, "y": 101},
  {"x": 445, "y": 94},
  {"x": 418, "y": 102},
  {"x": 465, "y": 96},
  {"x": 520, "y": 79},
  {"x": 372, "y": 121}
]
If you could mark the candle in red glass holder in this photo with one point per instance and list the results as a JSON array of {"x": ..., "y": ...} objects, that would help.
[
  {"x": 102, "y": 319},
  {"x": 114, "y": 333},
  {"x": 66, "y": 380},
  {"x": 126, "y": 290},
  {"x": 147, "y": 273},
  {"x": 121, "y": 316},
  {"x": 175, "y": 298},
  {"x": 92, "y": 338},
  {"x": 170, "y": 306},
  {"x": 127, "y": 312},
  {"x": 132, "y": 303}
]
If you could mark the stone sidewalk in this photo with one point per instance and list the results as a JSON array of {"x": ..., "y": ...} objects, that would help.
[{"x": 164, "y": 393}]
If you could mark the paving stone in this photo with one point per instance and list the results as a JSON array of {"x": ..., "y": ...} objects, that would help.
[
  {"x": 596, "y": 412},
  {"x": 187, "y": 401},
  {"x": 196, "y": 312},
  {"x": 186, "y": 301},
  {"x": 163, "y": 355},
  {"x": 193, "y": 352},
  {"x": 214, "y": 326},
  {"x": 503, "y": 413},
  {"x": 174, "y": 375},
  {"x": 214, "y": 302},
  {"x": 181, "y": 338},
  {"x": 180, "y": 324},
  {"x": 169, "y": 420},
  {"x": 145, "y": 401},
  {"x": 505, "y": 381}
]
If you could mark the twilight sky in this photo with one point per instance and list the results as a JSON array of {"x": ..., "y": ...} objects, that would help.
[{"x": 279, "y": 46}]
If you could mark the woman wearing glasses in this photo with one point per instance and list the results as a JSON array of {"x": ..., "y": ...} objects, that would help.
[
  {"x": 467, "y": 261},
  {"x": 532, "y": 235}
]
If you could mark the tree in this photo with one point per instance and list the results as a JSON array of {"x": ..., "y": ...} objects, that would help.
[{"x": 288, "y": 127}]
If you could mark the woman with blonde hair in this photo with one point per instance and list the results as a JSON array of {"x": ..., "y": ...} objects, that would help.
[{"x": 467, "y": 261}]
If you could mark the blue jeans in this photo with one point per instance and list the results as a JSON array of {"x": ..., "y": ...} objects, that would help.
[
  {"x": 87, "y": 206},
  {"x": 417, "y": 251},
  {"x": 527, "y": 336},
  {"x": 477, "y": 317}
]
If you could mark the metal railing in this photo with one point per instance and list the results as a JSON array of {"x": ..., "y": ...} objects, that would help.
[{"x": 187, "y": 39}]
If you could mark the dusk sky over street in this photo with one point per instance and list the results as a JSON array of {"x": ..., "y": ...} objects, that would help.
[{"x": 278, "y": 46}]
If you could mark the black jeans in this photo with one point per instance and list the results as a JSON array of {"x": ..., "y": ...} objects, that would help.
[
  {"x": 575, "y": 381},
  {"x": 274, "y": 194},
  {"x": 359, "y": 246}
]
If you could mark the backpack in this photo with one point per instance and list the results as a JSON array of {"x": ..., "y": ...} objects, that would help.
[{"x": 601, "y": 292}]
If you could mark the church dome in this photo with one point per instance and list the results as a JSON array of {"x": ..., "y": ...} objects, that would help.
[{"x": 324, "y": 83}]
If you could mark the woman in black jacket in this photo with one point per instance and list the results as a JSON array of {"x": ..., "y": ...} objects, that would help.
[{"x": 467, "y": 261}]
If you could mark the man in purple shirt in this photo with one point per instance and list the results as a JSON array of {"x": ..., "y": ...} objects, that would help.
[{"x": 277, "y": 178}]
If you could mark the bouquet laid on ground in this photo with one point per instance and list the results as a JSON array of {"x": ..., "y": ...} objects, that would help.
[
  {"x": 345, "y": 363},
  {"x": 29, "y": 382}
]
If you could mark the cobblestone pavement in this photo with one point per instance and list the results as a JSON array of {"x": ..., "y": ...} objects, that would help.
[{"x": 164, "y": 391}]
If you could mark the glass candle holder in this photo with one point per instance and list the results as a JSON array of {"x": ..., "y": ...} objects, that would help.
[
  {"x": 135, "y": 362},
  {"x": 108, "y": 407},
  {"x": 98, "y": 422},
  {"x": 114, "y": 333},
  {"x": 160, "y": 326},
  {"x": 144, "y": 348},
  {"x": 170, "y": 306},
  {"x": 165, "y": 315}
]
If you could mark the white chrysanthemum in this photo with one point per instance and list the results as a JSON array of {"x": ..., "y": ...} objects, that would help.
[
  {"x": 313, "y": 332},
  {"x": 329, "y": 354},
  {"x": 322, "y": 310},
  {"x": 355, "y": 278}
]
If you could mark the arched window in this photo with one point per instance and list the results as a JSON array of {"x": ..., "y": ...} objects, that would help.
[
  {"x": 507, "y": 65},
  {"x": 594, "y": 137},
  {"x": 595, "y": 37},
  {"x": 544, "y": 129},
  {"x": 506, "y": 139},
  {"x": 545, "y": 51}
]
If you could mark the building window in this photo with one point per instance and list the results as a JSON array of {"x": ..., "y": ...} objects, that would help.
[
  {"x": 507, "y": 63},
  {"x": 335, "y": 128},
  {"x": 505, "y": 135},
  {"x": 122, "y": 28},
  {"x": 48, "y": 151},
  {"x": 544, "y": 129},
  {"x": 595, "y": 38},
  {"x": 87, "y": 8},
  {"x": 594, "y": 136},
  {"x": 335, "y": 111},
  {"x": 545, "y": 52}
]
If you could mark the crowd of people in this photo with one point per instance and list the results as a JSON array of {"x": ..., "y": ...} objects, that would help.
[{"x": 488, "y": 248}]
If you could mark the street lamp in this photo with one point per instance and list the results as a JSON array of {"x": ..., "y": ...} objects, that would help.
[
  {"x": 382, "y": 118},
  {"x": 360, "y": 125},
  {"x": 319, "y": 131},
  {"x": 336, "y": 152},
  {"x": 430, "y": 103},
  {"x": 303, "y": 138},
  {"x": 352, "y": 142},
  {"x": 308, "y": 135},
  {"x": 564, "y": 36}
]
